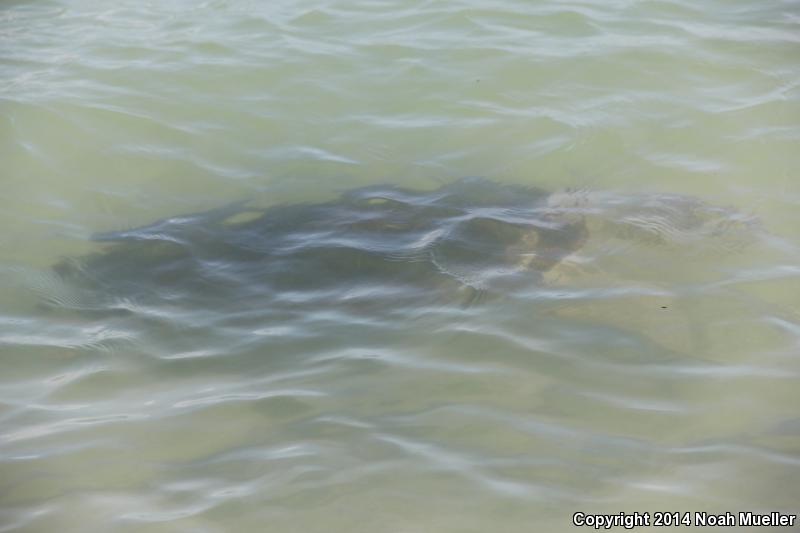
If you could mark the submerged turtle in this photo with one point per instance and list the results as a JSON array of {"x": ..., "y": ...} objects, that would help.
[
  {"x": 379, "y": 243},
  {"x": 382, "y": 247}
]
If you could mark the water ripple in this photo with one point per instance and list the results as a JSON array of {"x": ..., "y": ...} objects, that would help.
[{"x": 428, "y": 358}]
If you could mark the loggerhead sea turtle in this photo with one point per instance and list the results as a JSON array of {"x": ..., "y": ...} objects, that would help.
[{"x": 383, "y": 248}]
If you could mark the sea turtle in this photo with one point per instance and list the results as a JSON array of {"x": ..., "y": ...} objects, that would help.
[{"x": 381, "y": 248}]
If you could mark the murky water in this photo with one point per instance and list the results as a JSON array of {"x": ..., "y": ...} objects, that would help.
[{"x": 418, "y": 366}]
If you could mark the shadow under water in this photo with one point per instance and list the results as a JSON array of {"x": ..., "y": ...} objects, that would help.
[{"x": 374, "y": 247}]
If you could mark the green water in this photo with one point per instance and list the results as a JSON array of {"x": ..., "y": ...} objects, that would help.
[{"x": 639, "y": 375}]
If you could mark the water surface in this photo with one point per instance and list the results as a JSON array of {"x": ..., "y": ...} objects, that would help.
[{"x": 649, "y": 370}]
